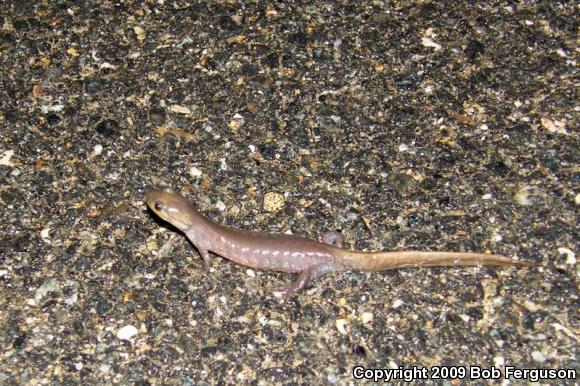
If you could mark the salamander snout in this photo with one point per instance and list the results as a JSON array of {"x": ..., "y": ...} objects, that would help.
[{"x": 170, "y": 207}]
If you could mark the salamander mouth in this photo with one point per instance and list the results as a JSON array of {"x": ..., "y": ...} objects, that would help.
[{"x": 167, "y": 207}]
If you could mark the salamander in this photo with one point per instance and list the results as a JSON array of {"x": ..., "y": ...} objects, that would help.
[{"x": 294, "y": 254}]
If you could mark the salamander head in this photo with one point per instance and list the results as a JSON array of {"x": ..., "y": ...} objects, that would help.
[{"x": 171, "y": 207}]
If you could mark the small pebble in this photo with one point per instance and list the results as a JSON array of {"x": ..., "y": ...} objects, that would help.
[
  {"x": 553, "y": 126},
  {"x": 220, "y": 206},
  {"x": 140, "y": 32},
  {"x": 538, "y": 357},
  {"x": 273, "y": 201},
  {"x": 97, "y": 150},
  {"x": 341, "y": 326},
  {"x": 237, "y": 122},
  {"x": 331, "y": 378},
  {"x": 45, "y": 234},
  {"x": 367, "y": 317},
  {"x": 428, "y": 42},
  {"x": 5, "y": 158},
  {"x": 50, "y": 285},
  {"x": 195, "y": 172},
  {"x": 531, "y": 306},
  {"x": 570, "y": 255},
  {"x": 127, "y": 332},
  {"x": 397, "y": 303},
  {"x": 179, "y": 109}
]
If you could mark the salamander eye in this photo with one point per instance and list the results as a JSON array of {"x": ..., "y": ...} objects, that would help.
[{"x": 158, "y": 206}]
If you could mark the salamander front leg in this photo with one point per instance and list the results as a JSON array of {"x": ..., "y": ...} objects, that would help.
[
  {"x": 201, "y": 247},
  {"x": 306, "y": 277}
]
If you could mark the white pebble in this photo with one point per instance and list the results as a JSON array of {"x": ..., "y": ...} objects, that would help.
[
  {"x": 179, "y": 109},
  {"x": 50, "y": 285},
  {"x": 341, "y": 325},
  {"x": 538, "y": 357},
  {"x": 570, "y": 255},
  {"x": 5, "y": 158},
  {"x": 397, "y": 303},
  {"x": 98, "y": 150},
  {"x": 195, "y": 172},
  {"x": 127, "y": 332},
  {"x": 428, "y": 42},
  {"x": 367, "y": 317},
  {"x": 45, "y": 235},
  {"x": 220, "y": 205}
]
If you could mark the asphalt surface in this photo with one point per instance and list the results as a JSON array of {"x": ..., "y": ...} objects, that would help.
[{"x": 405, "y": 125}]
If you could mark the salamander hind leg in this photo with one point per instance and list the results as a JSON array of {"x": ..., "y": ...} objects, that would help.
[
  {"x": 333, "y": 238},
  {"x": 205, "y": 260},
  {"x": 305, "y": 277}
]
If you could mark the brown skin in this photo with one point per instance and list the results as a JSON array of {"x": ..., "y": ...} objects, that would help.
[{"x": 288, "y": 253}]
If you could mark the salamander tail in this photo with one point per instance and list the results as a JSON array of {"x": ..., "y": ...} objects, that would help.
[{"x": 379, "y": 261}]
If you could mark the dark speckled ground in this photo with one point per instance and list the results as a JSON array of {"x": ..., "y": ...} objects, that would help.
[{"x": 407, "y": 125}]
